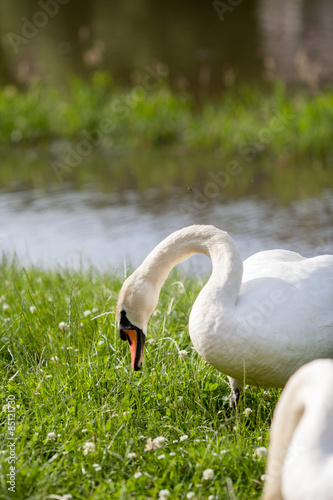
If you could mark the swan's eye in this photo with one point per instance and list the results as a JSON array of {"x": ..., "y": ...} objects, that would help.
[{"x": 124, "y": 324}]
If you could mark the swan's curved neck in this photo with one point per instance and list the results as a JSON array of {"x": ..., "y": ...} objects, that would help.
[
  {"x": 301, "y": 428},
  {"x": 225, "y": 256}
]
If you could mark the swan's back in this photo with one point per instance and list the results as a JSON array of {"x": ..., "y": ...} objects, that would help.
[{"x": 284, "y": 314}]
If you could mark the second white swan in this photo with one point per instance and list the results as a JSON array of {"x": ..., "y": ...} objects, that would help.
[{"x": 257, "y": 322}]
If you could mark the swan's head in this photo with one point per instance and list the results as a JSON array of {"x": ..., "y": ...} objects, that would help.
[{"x": 137, "y": 300}]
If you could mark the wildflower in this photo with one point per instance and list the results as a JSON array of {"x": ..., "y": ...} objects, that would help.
[
  {"x": 266, "y": 394},
  {"x": 183, "y": 438},
  {"x": 172, "y": 454},
  {"x": 160, "y": 457},
  {"x": 86, "y": 313},
  {"x": 211, "y": 497},
  {"x": 33, "y": 309},
  {"x": 5, "y": 307},
  {"x": 131, "y": 455},
  {"x": 67, "y": 496},
  {"x": 94, "y": 309},
  {"x": 163, "y": 494},
  {"x": 83, "y": 470},
  {"x": 125, "y": 412},
  {"x": 261, "y": 451},
  {"x": 152, "y": 444},
  {"x": 63, "y": 326},
  {"x": 51, "y": 436},
  {"x": 54, "y": 359},
  {"x": 175, "y": 441},
  {"x": 137, "y": 475},
  {"x": 182, "y": 354},
  {"x": 208, "y": 474},
  {"x": 6, "y": 407},
  {"x": 48, "y": 376},
  {"x": 88, "y": 447},
  {"x": 247, "y": 412},
  {"x": 190, "y": 494},
  {"x": 159, "y": 441},
  {"x": 97, "y": 467},
  {"x": 100, "y": 343},
  {"x": 263, "y": 477}
]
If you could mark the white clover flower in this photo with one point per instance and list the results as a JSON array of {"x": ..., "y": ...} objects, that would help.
[
  {"x": 149, "y": 445},
  {"x": 86, "y": 313},
  {"x": 67, "y": 496},
  {"x": 163, "y": 494},
  {"x": 182, "y": 354},
  {"x": 5, "y": 307},
  {"x": 137, "y": 475},
  {"x": 261, "y": 451},
  {"x": 32, "y": 309},
  {"x": 190, "y": 495},
  {"x": 6, "y": 407},
  {"x": 63, "y": 326},
  {"x": 160, "y": 457},
  {"x": 183, "y": 438},
  {"x": 88, "y": 447},
  {"x": 83, "y": 470},
  {"x": 131, "y": 455},
  {"x": 172, "y": 454},
  {"x": 175, "y": 441},
  {"x": 100, "y": 343},
  {"x": 94, "y": 309},
  {"x": 247, "y": 412},
  {"x": 152, "y": 444},
  {"x": 208, "y": 474},
  {"x": 266, "y": 394},
  {"x": 97, "y": 467},
  {"x": 263, "y": 477},
  {"x": 51, "y": 436},
  {"x": 211, "y": 497},
  {"x": 159, "y": 441},
  {"x": 54, "y": 359}
]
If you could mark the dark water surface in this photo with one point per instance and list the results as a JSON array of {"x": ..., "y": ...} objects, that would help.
[{"x": 203, "y": 47}]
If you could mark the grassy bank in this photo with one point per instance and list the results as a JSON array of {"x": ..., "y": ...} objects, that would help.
[
  {"x": 245, "y": 121},
  {"x": 72, "y": 384}
]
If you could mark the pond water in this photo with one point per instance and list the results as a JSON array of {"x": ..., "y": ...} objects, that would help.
[{"x": 79, "y": 228}]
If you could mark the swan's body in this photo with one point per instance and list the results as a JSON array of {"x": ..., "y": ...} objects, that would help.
[
  {"x": 258, "y": 324},
  {"x": 300, "y": 459}
]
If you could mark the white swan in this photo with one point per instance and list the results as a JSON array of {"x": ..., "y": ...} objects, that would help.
[
  {"x": 300, "y": 458},
  {"x": 256, "y": 325}
]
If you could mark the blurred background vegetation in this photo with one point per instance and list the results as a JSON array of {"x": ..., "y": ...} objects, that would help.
[{"x": 154, "y": 97}]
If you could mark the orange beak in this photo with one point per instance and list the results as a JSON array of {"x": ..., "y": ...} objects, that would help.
[{"x": 136, "y": 343}]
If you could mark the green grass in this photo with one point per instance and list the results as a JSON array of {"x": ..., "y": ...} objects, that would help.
[
  {"x": 245, "y": 121},
  {"x": 79, "y": 384}
]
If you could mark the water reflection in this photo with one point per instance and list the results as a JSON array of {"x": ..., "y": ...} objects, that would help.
[
  {"x": 204, "y": 49},
  {"x": 81, "y": 228}
]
